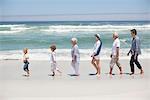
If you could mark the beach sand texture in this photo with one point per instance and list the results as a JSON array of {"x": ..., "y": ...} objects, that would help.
[{"x": 40, "y": 86}]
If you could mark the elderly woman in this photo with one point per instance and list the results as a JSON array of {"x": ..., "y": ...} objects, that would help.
[
  {"x": 96, "y": 54},
  {"x": 75, "y": 56}
]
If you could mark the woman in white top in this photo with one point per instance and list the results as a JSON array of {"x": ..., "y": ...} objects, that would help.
[
  {"x": 96, "y": 54},
  {"x": 75, "y": 54}
]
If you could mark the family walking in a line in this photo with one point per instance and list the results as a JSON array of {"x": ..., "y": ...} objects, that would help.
[{"x": 135, "y": 51}]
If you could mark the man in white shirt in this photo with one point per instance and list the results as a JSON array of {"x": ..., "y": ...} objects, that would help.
[{"x": 115, "y": 53}]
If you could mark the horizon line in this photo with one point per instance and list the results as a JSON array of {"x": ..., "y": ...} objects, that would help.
[
  {"x": 70, "y": 14},
  {"x": 77, "y": 21}
]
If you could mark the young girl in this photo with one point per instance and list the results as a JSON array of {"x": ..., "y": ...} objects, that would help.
[
  {"x": 26, "y": 61},
  {"x": 54, "y": 66}
]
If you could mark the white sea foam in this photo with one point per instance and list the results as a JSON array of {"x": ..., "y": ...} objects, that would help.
[
  {"x": 89, "y": 28},
  {"x": 70, "y": 28},
  {"x": 64, "y": 54},
  {"x": 13, "y": 28}
]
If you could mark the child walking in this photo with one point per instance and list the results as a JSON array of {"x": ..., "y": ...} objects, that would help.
[
  {"x": 26, "y": 61},
  {"x": 54, "y": 66}
]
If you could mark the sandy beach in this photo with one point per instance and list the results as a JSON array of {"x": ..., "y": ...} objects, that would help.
[
  {"x": 44, "y": 32},
  {"x": 40, "y": 86}
]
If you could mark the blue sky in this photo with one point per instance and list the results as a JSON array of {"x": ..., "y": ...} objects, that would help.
[{"x": 55, "y": 10}]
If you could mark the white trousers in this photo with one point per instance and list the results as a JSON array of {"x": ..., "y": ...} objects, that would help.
[
  {"x": 54, "y": 67},
  {"x": 75, "y": 66}
]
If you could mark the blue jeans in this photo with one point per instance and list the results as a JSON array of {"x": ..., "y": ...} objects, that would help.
[{"x": 26, "y": 65}]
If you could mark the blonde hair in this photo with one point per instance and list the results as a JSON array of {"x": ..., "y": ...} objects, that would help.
[{"x": 25, "y": 50}]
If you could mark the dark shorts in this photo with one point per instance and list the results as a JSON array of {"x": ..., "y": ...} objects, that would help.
[{"x": 26, "y": 65}]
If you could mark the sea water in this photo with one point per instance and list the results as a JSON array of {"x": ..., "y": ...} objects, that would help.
[{"x": 38, "y": 36}]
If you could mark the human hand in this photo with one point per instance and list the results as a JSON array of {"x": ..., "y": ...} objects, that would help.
[
  {"x": 128, "y": 54},
  {"x": 111, "y": 56}
]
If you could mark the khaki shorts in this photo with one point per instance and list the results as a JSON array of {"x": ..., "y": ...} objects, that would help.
[{"x": 114, "y": 61}]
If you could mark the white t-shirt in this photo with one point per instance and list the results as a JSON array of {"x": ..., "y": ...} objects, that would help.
[
  {"x": 52, "y": 57},
  {"x": 25, "y": 57},
  {"x": 116, "y": 44},
  {"x": 75, "y": 52}
]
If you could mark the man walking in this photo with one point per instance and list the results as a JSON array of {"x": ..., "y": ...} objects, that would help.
[
  {"x": 115, "y": 53},
  {"x": 135, "y": 51}
]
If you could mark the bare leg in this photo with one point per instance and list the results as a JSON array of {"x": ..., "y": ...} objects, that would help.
[
  {"x": 110, "y": 72},
  {"x": 28, "y": 73},
  {"x": 98, "y": 66},
  {"x": 112, "y": 63},
  {"x": 119, "y": 66},
  {"x": 93, "y": 63}
]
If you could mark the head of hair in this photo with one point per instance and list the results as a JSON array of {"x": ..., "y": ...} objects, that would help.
[
  {"x": 74, "y": 40},
  {"x": 134, "y": 31},
  {"x": 97, "y": 36},
  {"x": 53, "y": 47},
  {"x": 116, "y": 34},
  {"x": 25, "y": 50}
]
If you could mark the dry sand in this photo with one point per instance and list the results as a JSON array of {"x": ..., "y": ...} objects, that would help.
[{"x": 40, "y": 86}]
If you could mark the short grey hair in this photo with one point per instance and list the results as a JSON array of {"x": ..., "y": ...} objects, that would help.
[
  {"x": 115, "y": 34},
  {"x": 74, "y": 40}
]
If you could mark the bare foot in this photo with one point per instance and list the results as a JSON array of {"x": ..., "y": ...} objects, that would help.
[
  {"x": 121, "y": 73},
  {"x": 110, "y": 73},
  {"x": 141, "y": 71}
]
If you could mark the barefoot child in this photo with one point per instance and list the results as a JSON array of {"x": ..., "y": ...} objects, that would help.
[
  {"x": 54, "y": 66},
  {"x": 26, "y": 61}
]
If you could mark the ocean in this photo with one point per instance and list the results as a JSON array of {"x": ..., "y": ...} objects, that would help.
[{"x": 38, "y": 36}]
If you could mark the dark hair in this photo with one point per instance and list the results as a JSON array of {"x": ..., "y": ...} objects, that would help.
[
  {"x": 97, "y": 36},
  {"x": 134, "y": 31},
  {"x": 53, "y": 47}
]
